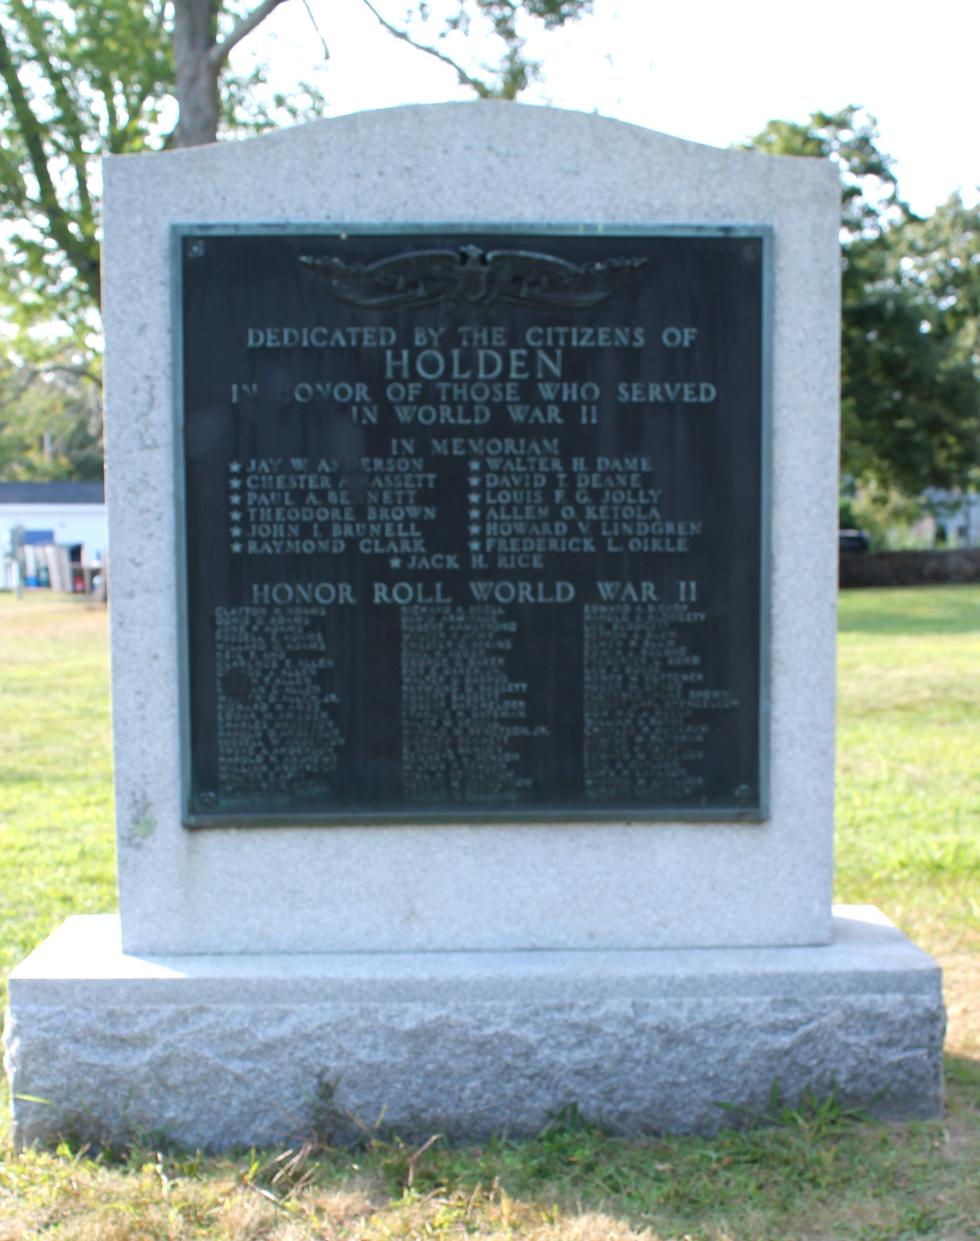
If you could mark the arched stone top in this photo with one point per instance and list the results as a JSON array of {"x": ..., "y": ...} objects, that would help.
[{"x": 484, "y": 161}]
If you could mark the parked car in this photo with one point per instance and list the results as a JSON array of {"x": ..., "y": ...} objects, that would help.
[{"x": 853, "y": 541}]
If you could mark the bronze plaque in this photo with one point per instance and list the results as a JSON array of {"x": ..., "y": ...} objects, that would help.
[{"x": 473, "y": 524}]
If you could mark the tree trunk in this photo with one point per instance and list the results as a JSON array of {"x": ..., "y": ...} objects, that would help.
[{"x": 196, "y": 70}]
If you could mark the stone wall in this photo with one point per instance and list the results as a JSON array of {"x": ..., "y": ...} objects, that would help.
[{"x": 928, "y": 568}]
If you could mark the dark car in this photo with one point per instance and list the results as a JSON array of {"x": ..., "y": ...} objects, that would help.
[{"x": 852, "y": 541}]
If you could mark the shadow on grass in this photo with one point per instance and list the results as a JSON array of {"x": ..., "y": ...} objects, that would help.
[
  {"x": 816, "y": 1162},
  {"x": 895, "y": 611},
  {"x": 963, "y": 1072}
]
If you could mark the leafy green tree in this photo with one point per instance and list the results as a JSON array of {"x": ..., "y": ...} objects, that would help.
[
  {"x": 76, "y": 85},
  {"x": 940, "y": 265},
  {"x": 80, "y": 79},
  {"x": 86, "y": 78},
  {"x": 910, "y": 379},
  {"x": 50, "y": 420}
]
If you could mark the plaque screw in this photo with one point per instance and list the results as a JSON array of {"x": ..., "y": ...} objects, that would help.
[
  {"x": 742, "y": 793},
  {"x": 207, "y": 801},
  {"x": 195, "y": 249}
]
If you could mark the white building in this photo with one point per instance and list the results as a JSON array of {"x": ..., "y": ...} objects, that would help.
[
  {"x": 958, "y": 513},
  {"x": 60, "y": 514}
]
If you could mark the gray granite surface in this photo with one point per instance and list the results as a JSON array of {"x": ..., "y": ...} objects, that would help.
[
  {"x": 456, "y": 886},
  {"x": 217, "y": 1051}
]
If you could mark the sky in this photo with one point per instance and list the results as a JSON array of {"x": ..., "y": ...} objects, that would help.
[{"x": 710, "y": 71}]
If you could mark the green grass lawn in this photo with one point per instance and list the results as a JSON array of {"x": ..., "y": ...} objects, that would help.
[
  {"x": 908, "y": 758},
  {"x": 56, "y": 835},
  {"x": 908, "y": 840}
]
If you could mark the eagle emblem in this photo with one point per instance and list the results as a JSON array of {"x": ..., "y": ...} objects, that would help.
[{"x": 471, "y": 276}]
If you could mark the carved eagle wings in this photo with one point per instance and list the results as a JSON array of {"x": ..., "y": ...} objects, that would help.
[{"x": 469, "y": 275}]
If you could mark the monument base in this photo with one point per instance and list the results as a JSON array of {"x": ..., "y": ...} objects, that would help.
[{"x": 220, "y": 1051}]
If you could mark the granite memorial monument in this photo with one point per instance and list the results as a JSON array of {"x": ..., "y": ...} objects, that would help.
[{"x": 472, "y": 493}]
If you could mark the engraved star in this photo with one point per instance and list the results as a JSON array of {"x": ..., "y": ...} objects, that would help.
[
  {"x": 474, "y": 465},
  {"x": 236, "y": 547},
  {"x": 234, "y": 466},
  {"x": 395, "y": 562},
  {"x": 234, "y": 482},
  {"x": 236, "y": 532},
  {"x": 474, "y": 497},
  {"x": 474, "y": 512},
  {"x": 475, "y": 545},
  {"x": 475, "y": 528},
  {"x": 235, "y": 499}
]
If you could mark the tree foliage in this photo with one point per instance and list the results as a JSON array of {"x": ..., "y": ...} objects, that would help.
[
  {"x": 911, "y": 378},
  {"x": 83, "y": 78},
  {"x": 50, "y": 419},
  {"x": 910, "y": 370},
  {"x": 514, "y": 71},
  {"x": 87, "y": 78},
  {"x": 80, "y": 79},
  {"x": 77, "y": 83},
  {"x": 940, "y": 265}
]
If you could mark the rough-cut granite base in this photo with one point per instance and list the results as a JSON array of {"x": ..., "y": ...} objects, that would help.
[{"x": 215, "y": 1051}]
